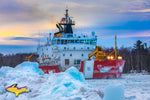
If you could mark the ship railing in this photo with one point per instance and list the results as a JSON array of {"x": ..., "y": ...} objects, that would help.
[{"x": 63, "y": 23}]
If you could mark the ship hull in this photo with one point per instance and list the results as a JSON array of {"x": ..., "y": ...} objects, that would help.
[
  {"x": 94, "y": 69},
  {"x": 102, "y": 69},
  {"x": 47, "y": 69}
]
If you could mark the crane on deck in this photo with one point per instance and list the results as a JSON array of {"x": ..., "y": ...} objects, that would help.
[
  {"x": 44, "y": 58},
  {"x": 98, "y": 53},
  {"x": 101, "y": 55},
  {"x": 28, "y": 57}
]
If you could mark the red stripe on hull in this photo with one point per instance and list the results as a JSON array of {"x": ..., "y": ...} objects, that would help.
[
  {"x": 113, "y": 68},
  {"x": 47, "y": 69},
  {"x": 106, "y": 68}
]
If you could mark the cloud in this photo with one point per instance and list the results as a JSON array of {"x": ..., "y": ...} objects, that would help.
[
  {"x": 143, "y": 10},
  {"x": 139, "y": 34},
  {"x": 14, "y": 11},
  {"x": 20, "y": 38},
  {"x": 17, "y": 42},
  {"x": 12, "y": 49},
  {"x": 132, "y": 25},
  {"x": 21, "y": 18}
]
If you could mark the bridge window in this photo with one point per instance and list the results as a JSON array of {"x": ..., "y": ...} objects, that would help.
[
  {"x": 68, "y": 41},
  {"x": 62, "y": 41},
  {"x": 93, "y": 42},
  {"x": 87, "y": 41},
  {"x": 54, "y": 42},
  {"x": 65, "y": 42},
  {"x": 82, "y": 41},
  {"x": 58, "y": 42},
  {"x": 77, "y": 41},
  {"x": 72, "y": 41},
  {"x": 74, "y": 48}
]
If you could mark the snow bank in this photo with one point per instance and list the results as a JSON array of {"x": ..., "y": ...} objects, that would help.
[
  {"x": 68, "y": 85},
  {"x": 62, "y": 85},
  {"x": 23, "y": 69},
  {"x": 54, "y": 86}
]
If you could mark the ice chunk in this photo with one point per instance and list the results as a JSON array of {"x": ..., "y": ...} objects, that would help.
[
  {"x": 29, "y": 67},
  {"x": 2, "y": 90},
  {"x": 114, "y": 92},
  {"x": 74, "y": 72},
  {"x": 53, "y": 86},
  {"x": 23, "y": 69},
  {"x": 4, "y": 70}
]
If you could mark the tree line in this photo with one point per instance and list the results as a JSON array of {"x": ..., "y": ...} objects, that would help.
[
  {"x": 137, "y": 58},
  {"x": 15, "y": 59}
]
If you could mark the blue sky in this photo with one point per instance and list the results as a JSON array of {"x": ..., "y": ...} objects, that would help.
[{"x": 24, "y": 22}]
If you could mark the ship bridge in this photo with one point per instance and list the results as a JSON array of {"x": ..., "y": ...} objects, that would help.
[
  {"x": 90, "y": 41},
  {"x": 65, "y": 27}
]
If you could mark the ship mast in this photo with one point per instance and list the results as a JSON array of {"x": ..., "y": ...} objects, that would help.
[
  {"x": 67, "y": 23},
  {"x": 65, "y": 27},
  {"x": 115, "y": 47},
  {"x": 66, "y": 15}
]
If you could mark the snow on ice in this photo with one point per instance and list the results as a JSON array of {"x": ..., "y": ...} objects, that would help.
[
  {"x": 54, "y": 86},
  {"x": 70, "y": 85}
]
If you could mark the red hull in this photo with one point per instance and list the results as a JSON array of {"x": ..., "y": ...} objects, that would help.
[
  {"x": 98, "y": 69},
  {"x": 103, "y": 69},
  {"x": 47, "y": 69}
]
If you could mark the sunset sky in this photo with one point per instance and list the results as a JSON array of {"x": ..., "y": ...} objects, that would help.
[{"x": 23, "y": 23}]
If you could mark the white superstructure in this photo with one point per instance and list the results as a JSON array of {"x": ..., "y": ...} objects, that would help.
[{"x": 66, "y": 49}]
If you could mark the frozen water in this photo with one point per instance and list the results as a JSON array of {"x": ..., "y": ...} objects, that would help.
[
  {"x": 74, "y": 72},
  {"x": 69, "y": 85},
  {"x": 114, "y": 92},
  {"x": 4, "y": 70},
  {"x": 29, "y": 67},
  {"x": 22, "y": 70},
  {"x": 54, "y": 86},
  {"x": 136, "y": 86}
]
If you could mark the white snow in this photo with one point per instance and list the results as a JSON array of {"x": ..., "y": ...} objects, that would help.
[
  {"x": 70, "y": 85},
  {"x": 54, "y": 86},
  {"x": 136, "y": 86}
]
